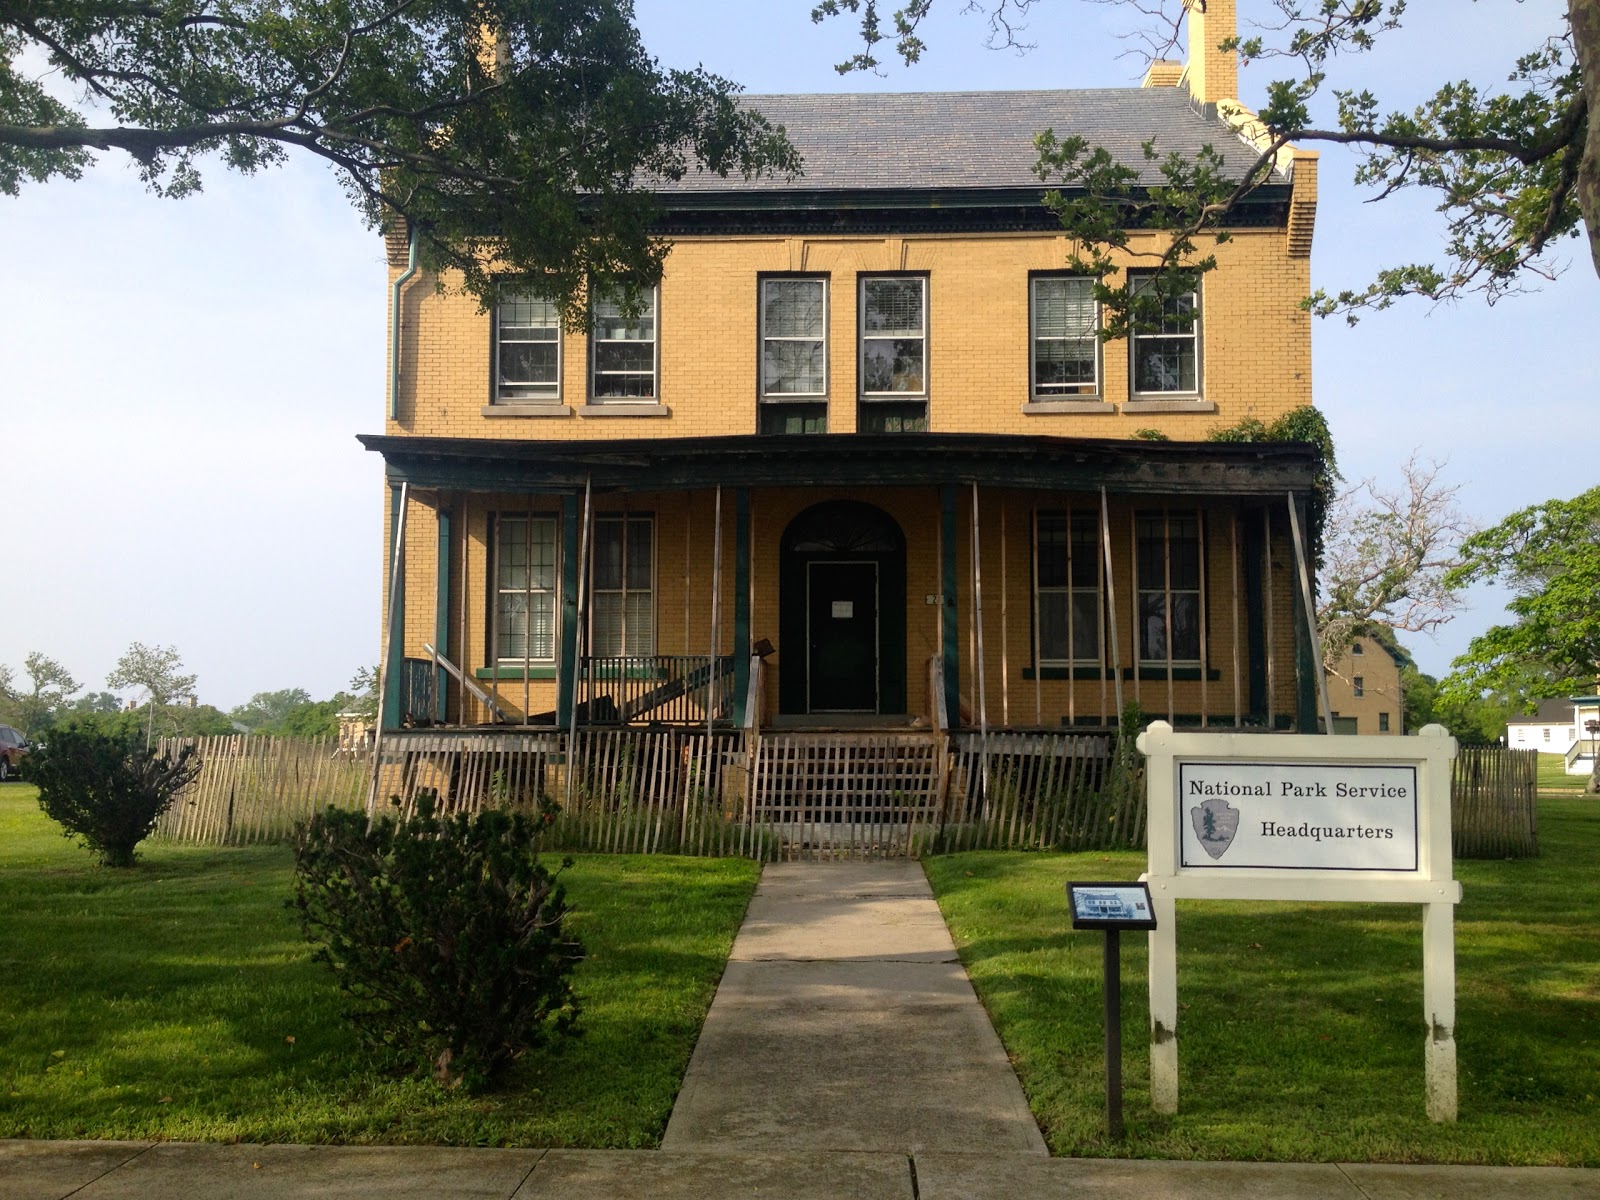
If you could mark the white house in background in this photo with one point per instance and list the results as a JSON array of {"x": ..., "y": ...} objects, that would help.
[
  {"x": 1586, "y": 735},
  {"x": 1553, "y": 728}
]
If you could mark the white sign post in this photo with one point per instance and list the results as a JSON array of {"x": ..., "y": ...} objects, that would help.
[{"x": 1302, "y": 817}]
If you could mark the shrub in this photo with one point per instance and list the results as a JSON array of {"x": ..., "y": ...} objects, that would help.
[
  {"x": 445, "y": 932},
  {"x": 106, "y": 789}
]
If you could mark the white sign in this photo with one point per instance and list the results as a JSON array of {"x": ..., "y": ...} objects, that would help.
[
  {"x": 1245, "y": 816},
  {"x": 1297, "y": 816},
  {"x": 844, "y": 610}
]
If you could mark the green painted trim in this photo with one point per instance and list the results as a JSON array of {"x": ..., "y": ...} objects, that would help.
[
  {"x": 741, "y": 602},
  {"x": 394, "y": 652},
  {"x": 1146, "y": 674},
  {"x": 1064, "y": 673},
  {"x": 441, "y": 618},
  {"x": 950, "y": 651},
  {"x": 567, "y": 659},
  {"x": 550, "y": 672}
]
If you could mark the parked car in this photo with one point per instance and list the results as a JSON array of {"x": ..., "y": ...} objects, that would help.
[{"x": 13, "y": 749}]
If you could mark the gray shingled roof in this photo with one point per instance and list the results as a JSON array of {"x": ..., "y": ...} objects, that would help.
[
  {"x": 921, "y": 140},
  {"x": 1549, "y": 712}
]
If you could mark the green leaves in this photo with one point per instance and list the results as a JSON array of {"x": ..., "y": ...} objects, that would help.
[
  {"x": 532, "y": 126},
  {"x": 445, "y": 932},
  {"x": 1549, "y": 556},
  {"x": 107, "y": 791}
]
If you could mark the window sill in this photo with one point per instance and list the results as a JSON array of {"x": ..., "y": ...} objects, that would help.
[
  {"x": 1085, "y": 405},
  {"x": 532, "y": 408},
  {"x": 624, "y": 408},
  {"x": 1062, "y": 672},
  {"x": 534, "y": 672},
  {"x": 1146, "y": 673},
  {"x": 1192, "y": 404}
]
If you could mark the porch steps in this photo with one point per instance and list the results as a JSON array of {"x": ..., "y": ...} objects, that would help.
[{"x": 819, "y": 780}]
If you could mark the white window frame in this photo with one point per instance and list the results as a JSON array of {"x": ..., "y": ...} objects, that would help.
[
  {"x": 1163, "y": 587},
  {"x": 1069, "y": 518},
  {"x": 864, "y": 337},
  {"x": 1061, "y": 391},
  {"x": 1136, "y": 340},
  {"x": 548, "y": 596},
  {"x": 523, "y": 391},
  {"x": 767, "y": 339},
  {"x": 653, "y": 311},
  {"x": 646, "y": 648}
]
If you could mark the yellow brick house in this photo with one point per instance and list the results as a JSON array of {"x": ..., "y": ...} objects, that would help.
[{"x": 862, "y": 463}]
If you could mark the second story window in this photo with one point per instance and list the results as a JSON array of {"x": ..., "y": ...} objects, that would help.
[
  {"x": 1066, "y": 318},
  {"x": 527, "y": 351},
  {"x": 1166, "y": 356},
  {"x": 894, "y": 353},
  {"x": 623, "y": 351},
  {"x": 794, "y": 355}
]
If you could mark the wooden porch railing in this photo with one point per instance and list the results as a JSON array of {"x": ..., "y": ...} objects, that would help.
[{"x": 662, "y": 689}]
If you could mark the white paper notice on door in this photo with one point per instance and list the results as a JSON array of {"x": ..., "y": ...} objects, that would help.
[{"x": 844, "y": 610}]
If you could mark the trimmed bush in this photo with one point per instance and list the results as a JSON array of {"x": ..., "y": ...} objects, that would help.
[
  {"x": 444, "y": 931},
  {"x": 107, "y": 790}
]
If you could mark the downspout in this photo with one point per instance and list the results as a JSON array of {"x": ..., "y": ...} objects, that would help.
[{"x": 394, "y": 320}]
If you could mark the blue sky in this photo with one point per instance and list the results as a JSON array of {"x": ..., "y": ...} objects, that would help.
[{"x": 181, "y": 381}]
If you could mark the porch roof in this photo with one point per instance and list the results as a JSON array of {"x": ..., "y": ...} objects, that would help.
[{"x": 850, "y": 460}]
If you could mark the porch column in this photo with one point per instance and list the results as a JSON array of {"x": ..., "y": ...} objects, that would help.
[
  {"x": 441, "y": 617},
  {"x": 1307, "y": 686},
  {"x": 950, "y": 651},
  {"x": 1254, "y": 555},
  {"x": 741, "y": 603},
  {"x": 567, "y": 660},
  {"x": 394, "y": 653}
]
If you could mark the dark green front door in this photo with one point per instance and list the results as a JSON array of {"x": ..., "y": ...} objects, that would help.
[{"x": 842, "y": 636}]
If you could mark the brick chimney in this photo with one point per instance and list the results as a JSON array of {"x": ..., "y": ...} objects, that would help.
[{"x": 1212, "y": 75}]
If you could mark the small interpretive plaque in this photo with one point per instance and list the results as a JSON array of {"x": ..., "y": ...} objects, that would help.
[
  {"x": 844, "y": 610},
  {"x": 1111, "y": 906}
]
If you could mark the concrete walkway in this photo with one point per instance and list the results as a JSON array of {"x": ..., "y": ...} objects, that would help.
[
  {"x": 845, "y": 1022},
  {"x": 845, "y": 1056}
]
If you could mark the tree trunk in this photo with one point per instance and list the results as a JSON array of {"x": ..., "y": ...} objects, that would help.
[{"x": 1585, "y": 18}]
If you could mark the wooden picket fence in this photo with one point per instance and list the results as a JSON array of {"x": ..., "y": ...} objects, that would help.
[
  {"x": 254, "y": 789},
  {"x": 768, "y": 795},
  {"x": 1493, "y": 809}
]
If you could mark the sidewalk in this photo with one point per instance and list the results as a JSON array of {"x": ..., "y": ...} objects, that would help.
[{"x": 845, "y": 1055}]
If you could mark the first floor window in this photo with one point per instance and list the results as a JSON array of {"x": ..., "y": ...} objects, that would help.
[
  {"x": 1166, "y": 352},
  {"x": 527, "y": 353},
  {"x": 1383, "y": 722},
  {"x": 1066, "y": 319},
  {"x": 525, "y": 580},
  {"x": 622, "y": 616},
  {"x": 1067, "y": 588},
  {"x": 623, "y": 350},
  {"x": 1168, "y": 583}
]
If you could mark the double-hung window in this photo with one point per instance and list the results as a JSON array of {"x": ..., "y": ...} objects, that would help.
[
  {"x": 1358, "y": 687},
  {"x": 894, "y": 353},
  {"x": 794, "y": 355},
  {"x": 622, "y": 613},
  {"x": 525, "y": 584},
  {"x": 527, "y": 349},
  {"x": 1169, "y": 586},
  {"x": 623, "y": 350},
  {"x": 1166, "y": 352},
  {"x": 1067, "y": 577},
  {"x": 1066, "y": 351}
]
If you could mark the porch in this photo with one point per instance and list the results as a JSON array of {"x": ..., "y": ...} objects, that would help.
[{"x": 925, "y": 584}]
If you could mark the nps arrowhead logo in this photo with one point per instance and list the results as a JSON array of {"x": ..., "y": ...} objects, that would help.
[{"x": 1215, "y": 823}]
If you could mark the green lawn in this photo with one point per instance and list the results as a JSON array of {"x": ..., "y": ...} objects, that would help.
[
  {"x": 1553, "y": 775},
  {"x": 1301, "y": 1026},
  {"x": 176, "y": 1000}
]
